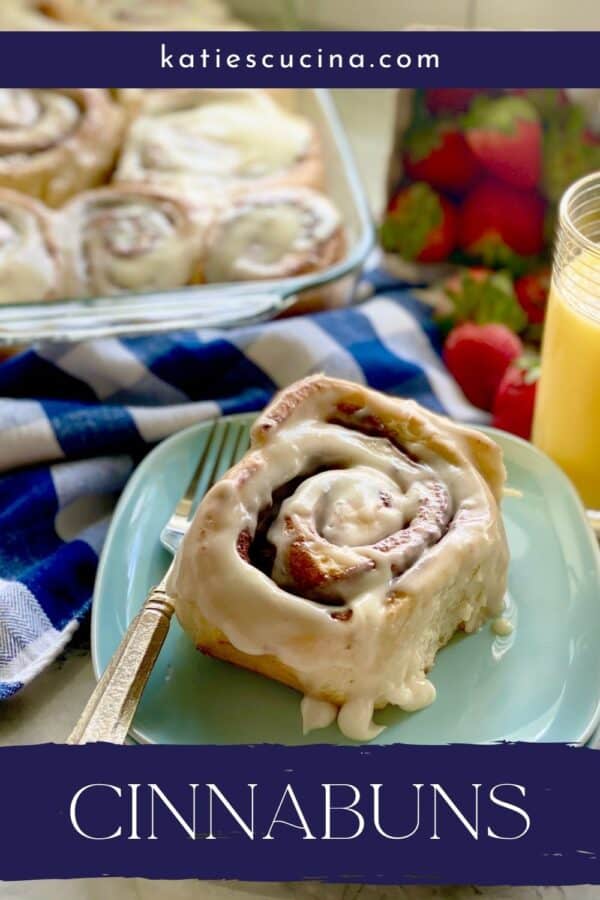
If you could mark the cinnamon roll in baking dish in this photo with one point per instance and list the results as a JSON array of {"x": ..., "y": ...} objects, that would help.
[
  {"x": 354, "y": 538},
  {"x": 138, "y": 15},
  {"x": 130, "y": 238},
  {"x": 273, "y": 234},
  {"x": 224, "y": 141},
  {"x": 30, "y": 261},
  {"x": 54, "y": 143}
]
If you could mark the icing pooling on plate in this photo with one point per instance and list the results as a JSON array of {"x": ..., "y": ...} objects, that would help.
[{"x": 273, "y": 574}]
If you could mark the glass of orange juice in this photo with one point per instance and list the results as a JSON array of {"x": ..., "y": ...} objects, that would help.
[{"x": 567, "y": 414}]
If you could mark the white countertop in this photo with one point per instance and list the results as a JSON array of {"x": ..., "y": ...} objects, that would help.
[{"x": 47, "y": 709}]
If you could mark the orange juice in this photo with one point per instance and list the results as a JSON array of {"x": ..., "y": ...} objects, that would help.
[{"x": 567, "y": 414}]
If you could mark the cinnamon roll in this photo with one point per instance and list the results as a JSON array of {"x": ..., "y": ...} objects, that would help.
[
  {"x": 129, "y": 238},
  {"x": 224, "y": 141},
  {"x": 356, "y": 536},
  {"x": 274, "y": 234},
  {"x": 54, "y": 143},
  {"x": 145, "y": 15},
  {"x": 30, "y": 262}
]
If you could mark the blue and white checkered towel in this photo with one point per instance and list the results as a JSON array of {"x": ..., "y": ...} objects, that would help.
[{"x": 74, "y": 420}]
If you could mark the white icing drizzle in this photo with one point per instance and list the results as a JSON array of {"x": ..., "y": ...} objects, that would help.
[
  {"x": 270, "y": 235},
  {"x": 411, "y": 544},
  {"x": 210, "y": 139},
  {"x": 316, "y": 713},
  {"x": 355, "y": 720}
]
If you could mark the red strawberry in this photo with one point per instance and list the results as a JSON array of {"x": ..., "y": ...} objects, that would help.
[
  {"x": 515, "y": 398},
  {"x": 420, "y": 224},
  {"x": 478, "y": 356},
  {"x": 448, "y": 100},
  {"x": 505, "y": 134},
  {"x": 532, "y": 293},
  {"x": 438, "y": 154},
  {"x": 498, "y": 221}
]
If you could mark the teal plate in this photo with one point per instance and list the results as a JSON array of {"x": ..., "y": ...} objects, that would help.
[{"x": 541, "y": 683}]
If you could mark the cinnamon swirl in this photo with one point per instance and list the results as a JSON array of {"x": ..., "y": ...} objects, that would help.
[
  {"x": 223, "y": 141},
  {"x": 30, "y": 262},
  {"x": 54, "y": 143},
  {"x": 129, "y": 238},
  {"x": 274, "y": 234},
  {"x": 355, "y": 537}
]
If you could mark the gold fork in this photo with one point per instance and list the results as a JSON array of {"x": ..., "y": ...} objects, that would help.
[{"x": 110, "y": 710}]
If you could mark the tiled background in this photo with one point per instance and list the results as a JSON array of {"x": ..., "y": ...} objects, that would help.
[{"x": 390, "y": 14}]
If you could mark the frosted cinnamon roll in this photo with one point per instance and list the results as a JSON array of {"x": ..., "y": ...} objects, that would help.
[
  {"x": 144, "y": 15},
  {"x": 54, "y": 143},
  {"x": 224, "y": 141},
  {"x": 120, "y": 239},
  {"x": 30, "y": 262},
  {"x": 274, "y": 234},
  {"x": 356, "y": 536}
]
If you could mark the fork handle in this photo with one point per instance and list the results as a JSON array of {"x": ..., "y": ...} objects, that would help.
[{"x": 111, "y": 708}]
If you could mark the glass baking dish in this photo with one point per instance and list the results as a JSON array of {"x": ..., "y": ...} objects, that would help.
[{"x": 212, "y": 306}]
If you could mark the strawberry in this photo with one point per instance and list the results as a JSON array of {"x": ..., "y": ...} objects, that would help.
[
  {"x": 515, "y": 398},
  {"x": 499, "y": 223},
  {"x": 481, "y": 295},
  {"x": 532, "y": 293},
  {"x": 438, "y": 154},
  {"x": 505, "y": 134},
  {"x": 448, "y": 100},
  {"x": 478, "y": 356},
  {"x": 420, "y": 224}
]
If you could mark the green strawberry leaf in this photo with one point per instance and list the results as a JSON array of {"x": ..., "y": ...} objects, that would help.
[
  {"x": 499, "y": 114},
  {"x": 407, "y": 229},
  {"x": 547, "y": 101},
  {"x": 420, "y": 113},
  {"x": 491, "y": 299},
  {"x": 423, "y": 140},
  {"x": 566, "y": 155},
  {"x": 492, "y": 252}
]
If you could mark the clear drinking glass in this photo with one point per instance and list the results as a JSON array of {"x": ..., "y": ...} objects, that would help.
[{"x": 567, "y": 414}]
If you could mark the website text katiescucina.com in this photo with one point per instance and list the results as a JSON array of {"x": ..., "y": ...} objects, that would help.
[{"x": 290, "y": 60}]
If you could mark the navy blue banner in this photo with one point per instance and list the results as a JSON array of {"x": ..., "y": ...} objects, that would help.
[
  {"x": 299, "y": 59},
  {"x": 509, "y": 814}
]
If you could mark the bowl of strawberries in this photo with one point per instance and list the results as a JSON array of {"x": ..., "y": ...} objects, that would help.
[{"x": 477, "y": 177}]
